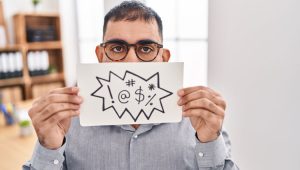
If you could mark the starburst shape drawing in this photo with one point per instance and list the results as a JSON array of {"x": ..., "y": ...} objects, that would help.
[{"x": 144, "y": 98}]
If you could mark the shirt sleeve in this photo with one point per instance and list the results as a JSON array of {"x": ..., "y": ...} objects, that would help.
[
  {"x": 215, "y": 155},
  {"x": 46, "y": 159}
]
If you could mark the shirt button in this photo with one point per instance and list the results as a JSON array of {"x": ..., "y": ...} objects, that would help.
[
  {"x": 201, "y": 154},
  {"x": 55, "y": 161},
  {"x": 135, "y": 137}
]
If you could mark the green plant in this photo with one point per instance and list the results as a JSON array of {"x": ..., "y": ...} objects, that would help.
[
  {"x": 36, "y": 2},
  {"x": 52, "y": 69},
  {"x": 24, "y": 123}
]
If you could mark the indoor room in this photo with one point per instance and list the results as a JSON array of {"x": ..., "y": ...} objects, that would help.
[{"x": 147, "y": 84}]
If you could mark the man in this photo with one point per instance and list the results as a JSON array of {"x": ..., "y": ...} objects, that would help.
[{"x": 132, "y": 32}]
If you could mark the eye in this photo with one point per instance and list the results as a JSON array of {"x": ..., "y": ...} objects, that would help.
[
  {"x": 146, "y": 49},
  {"x": 117, "y": 49}
]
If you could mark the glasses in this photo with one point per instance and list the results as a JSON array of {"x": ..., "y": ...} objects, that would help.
[{"x": 145, "y": 50}]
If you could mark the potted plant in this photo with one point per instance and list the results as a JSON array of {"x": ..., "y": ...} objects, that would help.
[
  {"x": 35, "y": 3},
  {"x": 25, "y": 128}
]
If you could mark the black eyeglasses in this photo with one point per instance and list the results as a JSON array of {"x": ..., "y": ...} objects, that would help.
[{"x": 145, "y": 50}]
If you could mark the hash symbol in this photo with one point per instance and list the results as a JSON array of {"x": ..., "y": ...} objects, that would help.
[
  {"x": 151, "y": 87},
  {"x": 130, "y": 82}
]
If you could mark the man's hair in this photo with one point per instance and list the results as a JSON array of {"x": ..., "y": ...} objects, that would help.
[{"x": 131, "y": 11}]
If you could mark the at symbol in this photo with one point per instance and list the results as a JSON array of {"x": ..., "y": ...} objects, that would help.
[{"x": 123, "y": 96}]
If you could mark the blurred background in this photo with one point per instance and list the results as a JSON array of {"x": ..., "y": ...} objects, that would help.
[{"x": 249, "y": 51}]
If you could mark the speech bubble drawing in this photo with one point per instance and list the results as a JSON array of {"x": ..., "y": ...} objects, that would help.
[{"x": 131, "y": 93}]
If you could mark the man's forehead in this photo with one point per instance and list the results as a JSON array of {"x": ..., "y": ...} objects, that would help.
[{"x": 132, "y": 31}]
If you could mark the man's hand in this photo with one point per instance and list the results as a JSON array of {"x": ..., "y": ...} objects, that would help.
[
  {"x": 51, "y": 115},
  {"x": 206, "y": 110}
]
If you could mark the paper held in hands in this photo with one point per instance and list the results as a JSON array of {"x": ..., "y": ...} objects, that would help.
[{"x": 129, "y": 93}]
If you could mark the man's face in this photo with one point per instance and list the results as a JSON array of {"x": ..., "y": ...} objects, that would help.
[{"x": 132, "y": 32}]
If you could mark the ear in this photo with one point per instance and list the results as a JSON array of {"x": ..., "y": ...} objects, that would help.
[
  {"x": 99, "y": 53},
  {"x": 166, "y": 55}
]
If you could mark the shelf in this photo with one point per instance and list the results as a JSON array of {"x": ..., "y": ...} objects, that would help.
[
  {"x": 11, "y": 82},
  {"x": 27, "y": 14},
  {"x": 44, "y": 45},
  {"x": 10, "y": 48},
  {"x": 36, "y": 32},
  {"x": 47, "y": 45},
  {"x": 54, "y": 77}
]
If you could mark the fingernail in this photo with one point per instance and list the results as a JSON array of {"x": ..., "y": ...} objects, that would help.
[
  {"x": 79, "y": 99},
  {"x": 74, "y": 89},
  {"x": 180, "y": 92}
]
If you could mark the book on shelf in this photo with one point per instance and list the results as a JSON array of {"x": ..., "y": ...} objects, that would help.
[
  {"x": 11, "y": 65},
  {"x": 38, "y": 62}
]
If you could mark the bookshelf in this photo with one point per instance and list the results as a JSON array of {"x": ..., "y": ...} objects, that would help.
[{"x": 38, "y": 40}]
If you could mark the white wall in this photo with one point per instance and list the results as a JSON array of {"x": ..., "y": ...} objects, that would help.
[
  {"x": 254, "y": 61},
  {"x": 70, "y": 38}
]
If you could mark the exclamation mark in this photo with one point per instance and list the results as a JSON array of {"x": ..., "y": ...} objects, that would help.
[{"x": 110, "y": 94}]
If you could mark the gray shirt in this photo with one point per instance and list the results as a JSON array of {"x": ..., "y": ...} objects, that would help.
[{"x": 165, "y": 146}]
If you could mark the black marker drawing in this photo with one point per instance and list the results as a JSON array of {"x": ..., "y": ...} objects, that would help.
[
  {"x": 123, "y": 96},
  {"x": 130, "y": 82},
  {"x": 141, "y": 97},
  {"x": 150, "y": 100},
  {"x": 110, "y": 94},
  {"x": 136, "y": 95},
  {"x": 151, "y": 87}
]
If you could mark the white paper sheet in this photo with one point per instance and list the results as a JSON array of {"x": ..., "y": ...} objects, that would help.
[{"x": 129, "y": 93}]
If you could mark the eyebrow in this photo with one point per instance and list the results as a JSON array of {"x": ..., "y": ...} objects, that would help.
[
  {"x": 143, "y": 41},
  {"x": 146, "y": 41},
  {"x": 119, "y": 41}
]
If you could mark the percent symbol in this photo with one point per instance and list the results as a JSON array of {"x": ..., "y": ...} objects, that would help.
[{"x": 150, "y": 100}]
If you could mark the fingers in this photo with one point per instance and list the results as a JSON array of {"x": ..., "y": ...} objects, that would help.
[
  {"x": 62, "y": 95},
  {"x": 209, "y": 117},
  {"x": 56, "y": 98},
  {"x": 43, "y": 126},
  {"x": 198, "y": 94},
  {"x": 188, "y": 90},
  {"x": 57, "y": 102},
  {"x": 53, "y": 108},
  {"x": 51, "y": 115},
  {"x": 204, "y": 103},
  {"x": 205, "y": 114},
  {"x": 65, "y": 90},
  {"x": 205, "y": 108},
  {"x": 55, "y": 118}
]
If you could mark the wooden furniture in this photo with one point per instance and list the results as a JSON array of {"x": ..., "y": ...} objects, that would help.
[
  {"x": 32, "y": 32},
  {"x": 2, "y": 20}
]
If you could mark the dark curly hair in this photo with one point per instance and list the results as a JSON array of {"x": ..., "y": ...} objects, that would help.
[{"x": 131, "y": 11}]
